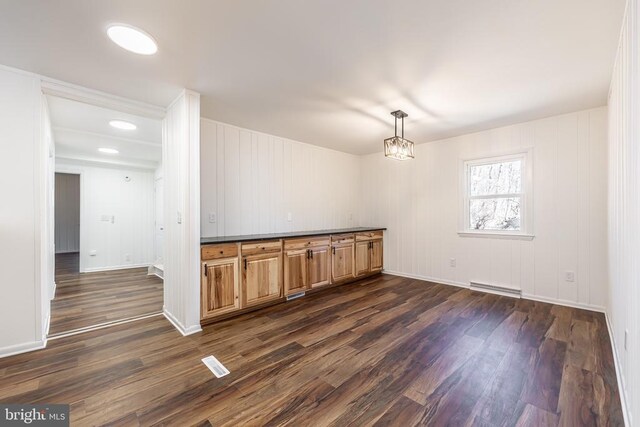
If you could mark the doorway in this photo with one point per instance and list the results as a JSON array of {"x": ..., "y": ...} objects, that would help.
[
  {"x": 107, "y": 205},
  {"x": 67, "y": 223}
]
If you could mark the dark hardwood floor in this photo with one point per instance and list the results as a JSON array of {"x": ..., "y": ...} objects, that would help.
[
  {"x": 90, "y": 299},
  {"x": 384, "y": 351}
]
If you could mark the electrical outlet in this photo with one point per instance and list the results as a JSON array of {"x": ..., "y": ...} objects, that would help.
[
  {"x": 626, "y": 339},
  {"x": 289, "y": 217},
  {"x": 179, "y": 217},
  {"x": 569, "y": 276},
  {"x": 212, "y": 217},
  {"x": 452, "y": 262},
  {"x": 93, "y": 252}
]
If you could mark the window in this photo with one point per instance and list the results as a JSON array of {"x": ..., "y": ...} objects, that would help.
[{"x": 497, "y": 196}]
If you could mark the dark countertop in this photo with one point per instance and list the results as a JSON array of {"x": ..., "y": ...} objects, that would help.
[{"x": 285, "y": 235}]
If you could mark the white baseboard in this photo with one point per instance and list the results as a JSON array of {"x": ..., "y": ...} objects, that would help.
[
  {"x": 427, "y": 278},
  {"x": 154, "y": 270},
  {"x": 22, "y": 348},
  {"x": 114, "y": 267},
  {"x": 566, "y": 303},
  {"x": 179, "y": 326},
  {"x": 622, "y": 390}
]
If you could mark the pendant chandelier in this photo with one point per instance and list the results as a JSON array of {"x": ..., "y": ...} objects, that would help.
[{"x": 397, "y": 147}]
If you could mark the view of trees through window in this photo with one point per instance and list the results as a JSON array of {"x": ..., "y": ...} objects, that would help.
[{"x": 495, "y": 195}]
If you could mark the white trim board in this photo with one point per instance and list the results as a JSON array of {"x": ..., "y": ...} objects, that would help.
[
  {"x": 531, "y": 297},
  {"x": 184, "y": 331},
  {"x": 115, "y": 267},
  {"x": 12, "y": 350},
  {"x": 622, "y": 390}
]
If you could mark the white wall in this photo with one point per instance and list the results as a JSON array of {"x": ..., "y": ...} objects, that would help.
[
  {"x": 67, "y": 213},
  {"x": 22, "y": 243},
  {"x": 624, "y": 209},
  {"x": 181, "y": 176},
  {"x": 419, "y": 202},
  {"x": 252, "y": 181},
  {"x": 128, "y": 240}
]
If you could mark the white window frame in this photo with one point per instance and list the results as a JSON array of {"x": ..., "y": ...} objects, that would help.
[{"x": 526, "y": 196}]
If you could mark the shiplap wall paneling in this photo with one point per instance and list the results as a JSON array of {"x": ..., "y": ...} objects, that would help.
[
  {"x": 67, "y": 213},
  {"x": 251, "y": 182},
  {"x": 419, "y": 202},
  {"x": 127, "y": 240},
  {"x": 624, "y": 211},
  {"x": 21, "y": 210}
]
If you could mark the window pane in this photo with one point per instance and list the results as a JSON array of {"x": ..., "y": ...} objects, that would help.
[
  {"x": 495, "y": 178},
  {"x": 494, "y": 214}
]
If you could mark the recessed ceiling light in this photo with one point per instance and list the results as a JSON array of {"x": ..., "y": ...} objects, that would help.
[
  {"x": 121, "y": 124},
  {"x": 133, "y": 39},
  {"x": 108, "y": 150}
]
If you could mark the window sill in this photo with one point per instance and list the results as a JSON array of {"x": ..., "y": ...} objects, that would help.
[{"x": 494, "y": 235}]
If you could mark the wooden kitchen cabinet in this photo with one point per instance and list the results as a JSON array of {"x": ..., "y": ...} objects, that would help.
[
  {"x": 220, "y": 288},
  {"x": 295, "y": 271},
  {"x": 306, "y": 264},
  {"x": 342, "y": 258},
  {"x": 261, "y": 272},
  {"x": 369, "y": 259},
  {"x": 318, "y": 266},
  {"x": 240, "y": 277},
  {"x": 363, "y": 259}
]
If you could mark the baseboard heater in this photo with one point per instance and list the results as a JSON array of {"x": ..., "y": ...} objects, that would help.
[
  {"x": 496, "y": 289},
  {"x": 294, "y": 296}
]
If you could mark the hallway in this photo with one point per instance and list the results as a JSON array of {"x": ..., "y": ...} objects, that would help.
[{"x": 89, "y": 299}]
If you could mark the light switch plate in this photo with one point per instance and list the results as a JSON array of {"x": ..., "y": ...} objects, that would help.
[
  {"x": 289, "y": 217},
  {"x": 569, "y": 276},
  {"x": 212, "y": 217}
]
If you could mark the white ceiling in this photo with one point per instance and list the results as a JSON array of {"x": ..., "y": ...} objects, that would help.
[
  {"x": 328, "y": 72},
  {"x": 80, "y": 129}
]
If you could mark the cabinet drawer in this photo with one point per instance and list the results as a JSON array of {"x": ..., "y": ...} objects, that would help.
[
  {"x": 369, "y": 235},
  {"x": 342, "y": 238},
  {"x": 261, "y": 247},
  {"x": 219, "y": 251},
  {"x": 293, "y": 244}
]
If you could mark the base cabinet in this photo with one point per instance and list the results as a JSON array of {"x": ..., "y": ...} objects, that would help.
[
  {"x": 219, "y": 287},
  {"x": 261, "y": 272},
  {"x": 295, "y": 271},
  {"x": 342, "y": 265},
  {"x": 239, "y": 276},
  {"x": 318, "y": 266}
]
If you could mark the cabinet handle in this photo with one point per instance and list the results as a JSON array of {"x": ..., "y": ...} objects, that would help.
[
  {"x": 311, "y": 253},
  {"x": 205, "y": 270},
  {"x": 333, "y": 250},
  {"x": 245, "y": 263}
]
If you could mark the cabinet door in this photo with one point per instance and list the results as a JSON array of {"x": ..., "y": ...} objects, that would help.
[
  {"x": 342, "y": 262},
  {"x": 362, "y": 258},
  {"x": 376, "y": 256},
  {"x": 295, "y": 271},
  {"x": 318, "y": 269},
  {"x": 261, "y": 278},
  {"x": 219, "y": 293}
]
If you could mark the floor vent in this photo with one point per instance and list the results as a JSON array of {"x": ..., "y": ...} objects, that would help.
[
  {"x": 215, "y": 366},
  {"x": 495, "y": 289},
  {"x": 294, "y": 296}
]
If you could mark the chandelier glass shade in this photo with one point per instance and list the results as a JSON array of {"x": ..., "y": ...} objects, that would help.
[{"x": 397, "y": 147}]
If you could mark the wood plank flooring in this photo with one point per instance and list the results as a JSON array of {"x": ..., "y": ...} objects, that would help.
[
  {"x": 384, "y": 351},
  {"x": 89, "y": 299}
]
